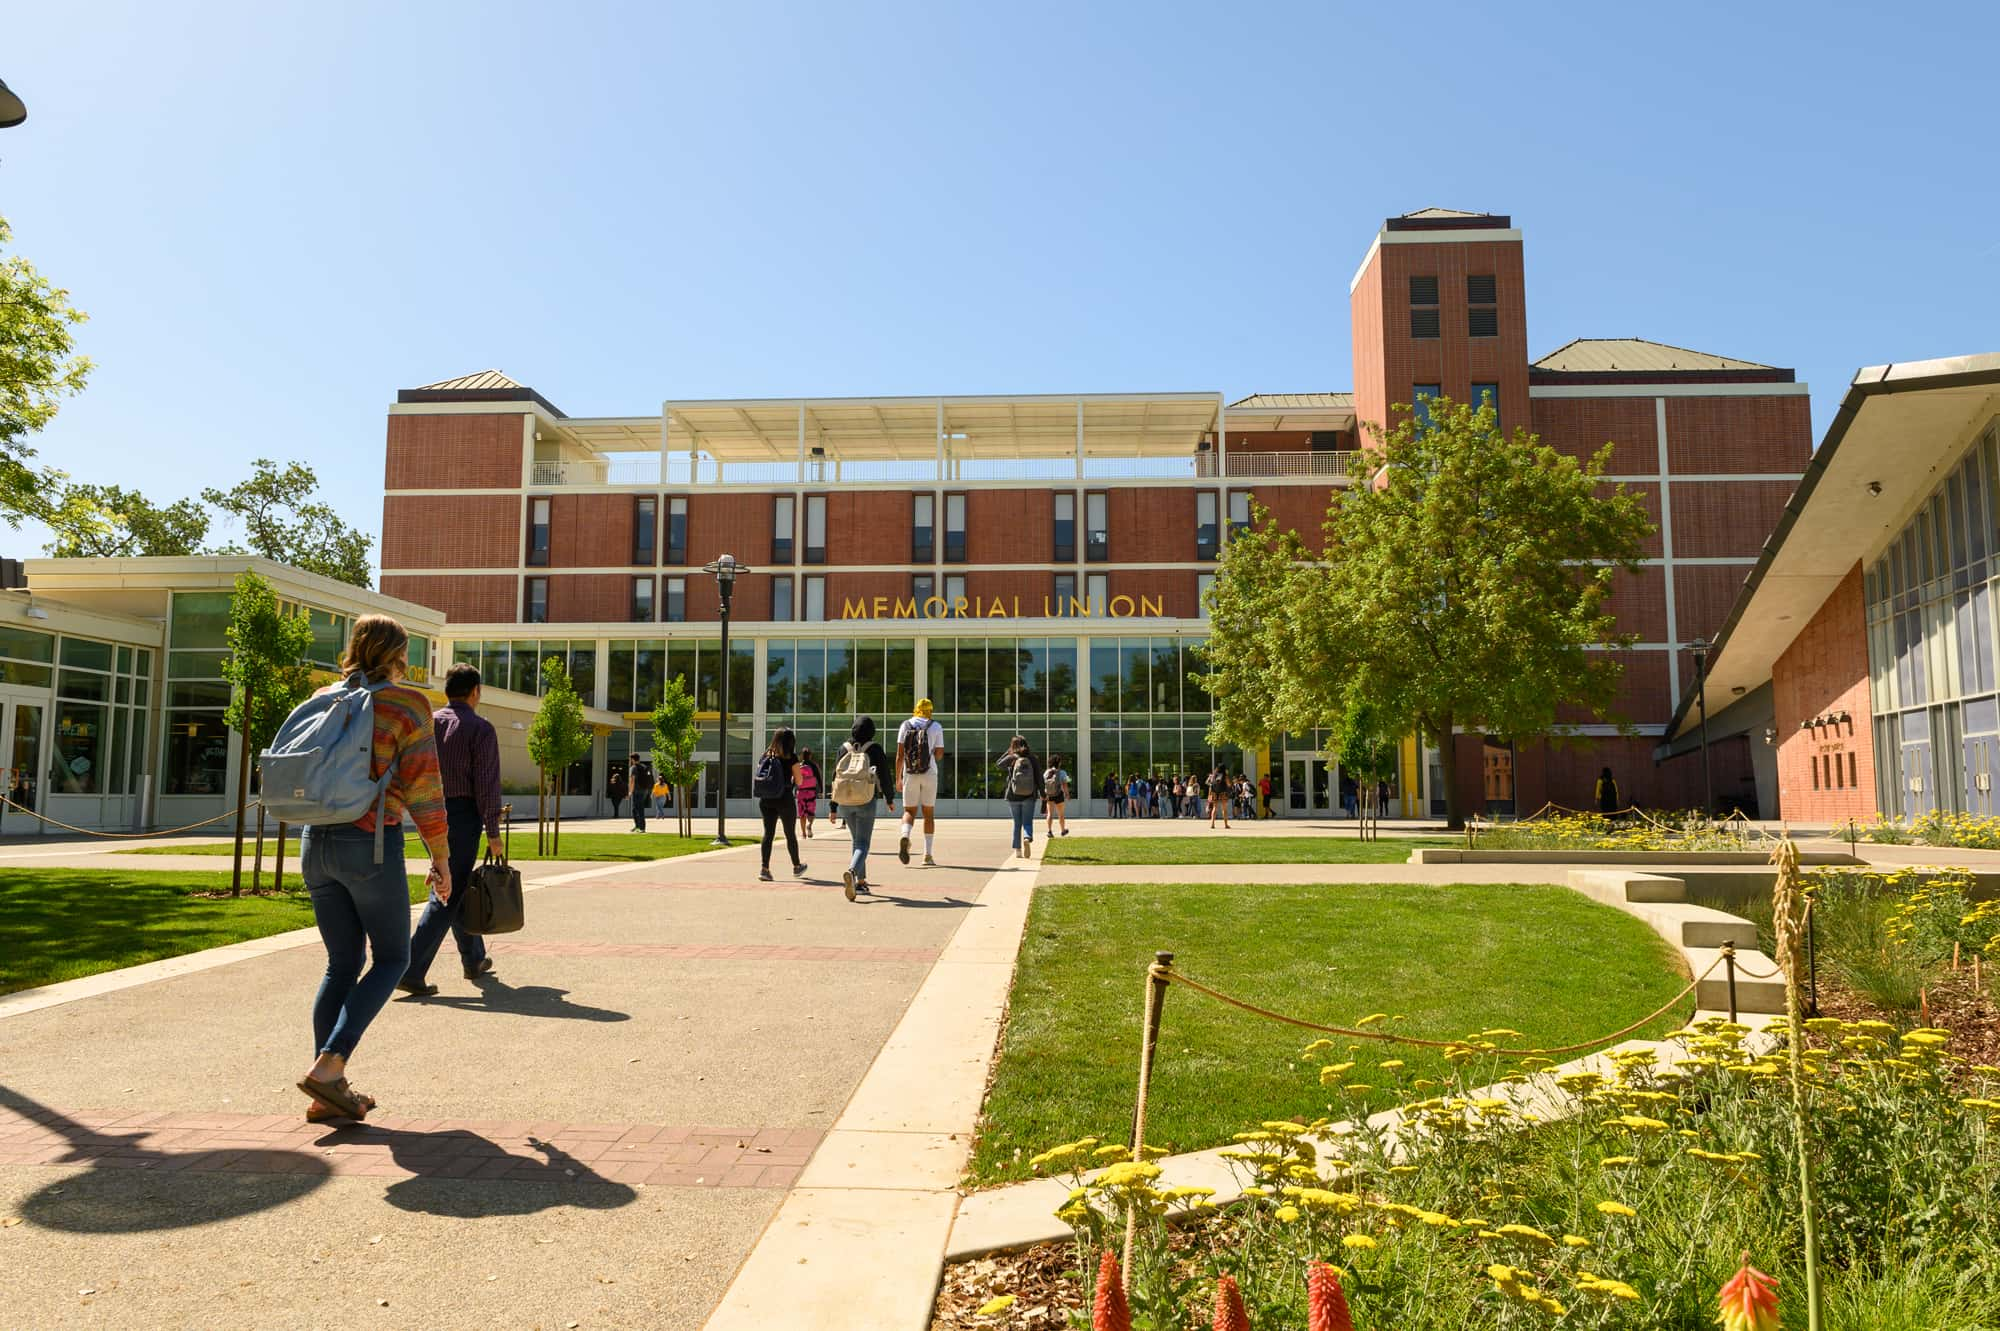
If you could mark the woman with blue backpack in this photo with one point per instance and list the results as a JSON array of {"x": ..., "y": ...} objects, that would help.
[
  {"x": 353, "y": 866},
  {"x": 1023, "y": 787},
  {"x": 776, "y": 789}
]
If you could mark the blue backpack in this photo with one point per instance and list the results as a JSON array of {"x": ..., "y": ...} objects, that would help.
[{"x": 316, "y": 770}]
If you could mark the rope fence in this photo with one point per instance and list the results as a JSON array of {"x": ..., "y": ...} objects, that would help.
[
  {"x": 120, "y": 836},
  {"x": 1743, "y": 827}
]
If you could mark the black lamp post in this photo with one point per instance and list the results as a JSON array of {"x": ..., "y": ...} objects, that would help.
[
  {"x": 1701, "y": 647},
  {"x": 725, "y": 570}
]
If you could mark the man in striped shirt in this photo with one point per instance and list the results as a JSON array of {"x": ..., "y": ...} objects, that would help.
[{"x": 468, "y": 753}]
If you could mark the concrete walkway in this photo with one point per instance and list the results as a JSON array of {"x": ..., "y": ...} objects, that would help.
[{"x": 596, "y": 1136}]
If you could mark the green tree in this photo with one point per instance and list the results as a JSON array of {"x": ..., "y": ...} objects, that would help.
[
  {"x": 557, "y": 737},
  {"x": 1464, "y": 590},
  {"x": 1367, "y": 751},
  {"x": 38, "y": 368},
  {"x": 676, "y": 736},
  {"x": 267, "y": 671},
  {"x": 282, "y": 521},
  {"x": 104, "y": 521}
]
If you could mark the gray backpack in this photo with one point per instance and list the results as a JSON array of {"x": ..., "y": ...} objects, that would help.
[{"x": 316, "y": 770}]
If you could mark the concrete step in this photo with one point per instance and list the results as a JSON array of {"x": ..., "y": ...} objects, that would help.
[
  {"x": 1616, "y": 887},
  {"x": 1752, "y": 995},
  {"x": 1693, "y": 926}
]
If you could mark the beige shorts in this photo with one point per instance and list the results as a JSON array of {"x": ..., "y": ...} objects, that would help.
[{"x": 920, "y": 789}]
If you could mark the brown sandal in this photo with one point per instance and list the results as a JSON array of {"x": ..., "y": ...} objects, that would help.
[
  {"x": 319, "y": 1111},
  {"x": 337, "y": 1095}
]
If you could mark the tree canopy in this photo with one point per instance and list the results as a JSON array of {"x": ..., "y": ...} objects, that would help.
[
  {"x": 283, "y": 521},
  {"x": 266, "y": 662},
  {"x": 559, "y": 735},
  {"x": 676, "y": 735},
  {"x": 39, "y": 367},
  {"x": 1464, "y": 589},
  {"x": 105, "y": 521}
]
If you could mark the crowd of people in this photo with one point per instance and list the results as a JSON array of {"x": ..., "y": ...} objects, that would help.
[{"x": 1216, "y": 796}]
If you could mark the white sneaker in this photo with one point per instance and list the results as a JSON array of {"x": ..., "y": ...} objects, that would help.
[{"x": 929, "y": 863}]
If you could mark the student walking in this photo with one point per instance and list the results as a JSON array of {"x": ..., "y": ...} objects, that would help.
[
  {"x": 661, "y": 794},
  {"x": 807, "y": 777},
  {"x": 614, "y": 787},
  {"x": 1218, "y": 798},
  {"x": 641, "y": 779},
  {"x": 360, "y": 896},
  {"x": 1114, "y": 798},
  {"x": 919, "y": 751},
  {"x": 1022, "y": 786},
  {"x": 1055, "y": 795},
  {"x": 861, "y": 775},
  {"x": 468, "y": 755},
  {"x": 1607, "y": 793},
  {"x": 774, "y": 785},
  {"x": 1264, "y": 794}
]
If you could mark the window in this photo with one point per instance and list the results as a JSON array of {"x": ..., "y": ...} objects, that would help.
[
  {"x": 1423, "y": 307},
  {"x": 536, "y": 609},
  {"x": 645, "y": 528},
  {"x": 1065, "y": 593},
  {"x": 1097, "y": 593},
  {"x": 1065, "y": 528},
  {"x": 642, "y": 600},
  {"x": 677, "y": 601},
  {"x": 816, "y": 530},
  {"x": 538, "y": 533},
  {"x": 1488, "y": 395},
  {"x": 782, "y": 519},
  {"x": 1420, "y": 403},
  {"x": 1482, "y": 319},
  {"x": 677, "y": 529},
  {"x": 781, "y": 599},
  {"x": 923, "y": 587},
  {"x": 954, "y": 529},
  {"x": 1207, "y": 530},
  {"x": 1096, "y": 527},
  {"x": 923, "y": 528},
  {"x": 815, "y": 598},
  {"x": 1203, "y": 581},
  {"x": 1239, "y": 512},
  {"x": 954, "y": 592}
]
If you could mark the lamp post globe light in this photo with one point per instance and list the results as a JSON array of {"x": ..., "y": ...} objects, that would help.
[
  {"x": 1700, "y": 648},
  {"x": 726, "y": 571}
]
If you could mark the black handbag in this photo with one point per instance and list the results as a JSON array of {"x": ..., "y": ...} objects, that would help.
[{"x": 493, "y": 902}]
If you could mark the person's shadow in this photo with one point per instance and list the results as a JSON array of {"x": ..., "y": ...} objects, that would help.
[
  {"x": 916, "y": 903},
  {"x": 522, "y": 1000},
  {"x": 442, "y": 1159}
]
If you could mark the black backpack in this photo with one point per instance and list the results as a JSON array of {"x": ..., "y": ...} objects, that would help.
[
  {"x": 917, "y": 746},
  {"x": 772, "y": 781},
  {"x": 1052, "y": 786}
]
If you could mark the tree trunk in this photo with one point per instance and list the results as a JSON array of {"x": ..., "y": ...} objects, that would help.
[
  {"x": 555, "y": 838},
  {"x": 1447, "y": 747},
  {"x": 541, "y": 810},
  {"x": 278, "y": 870},
  {"x": 257, "y": 865},
  {"x": 242, "y": 799}
]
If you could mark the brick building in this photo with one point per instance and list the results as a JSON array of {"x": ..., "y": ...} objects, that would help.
[
  {"x": 1859, "y": 662},
  {"x": 1036, "y": 563}
]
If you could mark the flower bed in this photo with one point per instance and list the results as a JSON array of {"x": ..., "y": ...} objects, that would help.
[
  {"x": 1961, "y": 831},
  {"x": 1629, "y": 832},
  {"x": 1633, "y": 1212}
]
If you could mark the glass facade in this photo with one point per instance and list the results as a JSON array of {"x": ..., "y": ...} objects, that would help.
[{"x": 1931, "y": 654}]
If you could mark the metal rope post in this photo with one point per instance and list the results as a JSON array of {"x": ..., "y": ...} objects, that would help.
[
  {"x": 1156, "y": 1000},
  {"x": 1812, "y": 960},
  {"x": 1729, "y": 964}
]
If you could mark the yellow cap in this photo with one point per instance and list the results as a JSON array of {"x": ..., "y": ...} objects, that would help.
[{"x": 924, "y": 708}]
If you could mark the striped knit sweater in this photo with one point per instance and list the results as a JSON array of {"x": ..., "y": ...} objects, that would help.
[{"x": 404, "y": 740}]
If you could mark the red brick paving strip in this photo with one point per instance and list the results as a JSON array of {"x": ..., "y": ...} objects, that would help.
[
  {"x": 396, "y": 1147},
  {"x": 713, "y": 951},
  {"x": 781, "y": 885}
]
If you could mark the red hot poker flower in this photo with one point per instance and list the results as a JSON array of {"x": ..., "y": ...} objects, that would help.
[
  {"x": 1110, "y": 1311},
  {"x": 1750, "y": 1300},
  {"x": 1229, "y": 1314},
  {"x": 1326, "y": 1301}
]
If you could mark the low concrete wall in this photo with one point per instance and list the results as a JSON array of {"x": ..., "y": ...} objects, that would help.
[{"x": 1609, "y": 858}]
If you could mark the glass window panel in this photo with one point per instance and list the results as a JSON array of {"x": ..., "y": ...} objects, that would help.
[
  {"x": 619, "y": 683},
  {"x": 815, "y": 600},
  {"x": 670, "y": 660},
  {"x": 26, "y": 644},
  {"x": 195, "y": 665},
  {"x": 523, "y": 667},
  {"x": 970, "y": 676},
  {"x": 840, "y": 678},
  {"x": 583, "y": 671},
  {"x": 809, "y": 663},
  {"x": 1194, "y": 698},
  {"x": 742, "y": 678},
  {"x": 869, "y": 676},
  {"x": 902, "y": 678},
  {"x": 1103, "y": 758},
  {"x": 1135, "y": 753},
  {"x": 1061, "y": 668},
  {"x": 1106, "y": 678},
  {"x": 1034, "y": 667},
  {"x": 198, "y": 695},
  {"x": 1166, "y": 694},
  {"x": 83, "y": 684},
  {"x": 1135, "y": 658},
  {"x": 114, "y": 771},
  {"x": 197, "y": 754},
  {"x": 778, "y": 676},
  {"x": 970, "y": 768},
  {"x": 34, "y": 676},
  {"x": 941, "y": 673},
  {"x": 200, "y": 619},
  {"x": 1167, "y": 757},
  {"x": 87, "y": 654},
  {"x": 81, "y": 749},
  {"x": 1002, "y": 678},
  {"x": 781, "y": 599}
]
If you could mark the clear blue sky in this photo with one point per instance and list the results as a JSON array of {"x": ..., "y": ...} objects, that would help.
[{"x": 278, "y": 214}]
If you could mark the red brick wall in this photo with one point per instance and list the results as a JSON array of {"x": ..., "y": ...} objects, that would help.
[
  {"x": 1642, "y": 696},
  {"x": 1177, "y": 591},
  {"x": 871, "y": 527},
  {"x": 461, "y": 597},
  {"x": 1299, "y": 508},
  {"x": 1734, "y": 434},
  {"x": 451, "y": 452},
  {"x": 737, "y": 524},
  {"x": 1566, "y": 774},
  {"x": 1151, "y": 525},
  {"x": 1366, "y": 320},
  {"x": 1648, "y": 496},
  {"x": 1639, "y": 599},
  {"x": 751, "y": 601},
  {"x": 863, "y": 587},
  {"x": 590, "y": 531},
  {"x": 1725, "y": 518},
  {"x": 1826, "y": 670},
  {"x": 1007, "y": 527},
  {"x": 1579, "y": 426},
  {"x": 590, "y": 598},
  {"x": 471, "y": 531},
  {"x": 1703, "y": 597}
]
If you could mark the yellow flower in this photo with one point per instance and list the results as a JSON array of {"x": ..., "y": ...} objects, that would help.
[
  {"x": 1288, "y": 1213},
  {"x": 1613, "y": 1161},
  {"x": 1575, "y": 1241},
  {"x": 1390, "y": 1064},
  {"x": 1357, "y": 1241},
  {"x": 1372, "y": 1018},
  {"x": 1615, "y": 1208},
  {"x": 997, "y": 1305}
]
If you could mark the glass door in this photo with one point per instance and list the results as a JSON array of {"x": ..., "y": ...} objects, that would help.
[
  {"x": 21, "y": 742},
  {"x": 1308, "y": 785}
]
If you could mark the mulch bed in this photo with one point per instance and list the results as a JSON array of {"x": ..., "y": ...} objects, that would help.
[{"x": 1953, "y": 1003}]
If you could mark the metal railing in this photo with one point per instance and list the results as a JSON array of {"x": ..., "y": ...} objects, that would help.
[
  {"x": 1238, "y": 464},
  {"x": 679, "y": 468}
]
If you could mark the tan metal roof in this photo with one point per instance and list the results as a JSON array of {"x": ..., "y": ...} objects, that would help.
[
  {"x": 1587, "y": 354},
  {"x": 1292, "y": 401},
  {"x": 1432, "y": 213},
  {"x": 476, "y": 380}
]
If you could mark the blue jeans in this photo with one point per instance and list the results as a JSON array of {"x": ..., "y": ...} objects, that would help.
[
  {"x": 860, "y": 820},
  {"x": 360, "y": 906},
  {"x": 462, "y": 829},
  {"x": 1023, "y": 813}
]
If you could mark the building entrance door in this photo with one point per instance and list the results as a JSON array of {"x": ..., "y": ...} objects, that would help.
[
  {"x": 1980, "y": 747},
  {"x": 1308, "y": 788},
  {"x": 1919, "y": 790},
  {"x": 21, "y": 744}
]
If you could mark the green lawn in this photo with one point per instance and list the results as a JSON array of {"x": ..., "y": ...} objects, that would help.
[
  {"x": 575, "y": 846},
  {"x": 58, "y": 924},
  {"x": 1222, "y": 848},
  {"x": 1450, "y": 961}
]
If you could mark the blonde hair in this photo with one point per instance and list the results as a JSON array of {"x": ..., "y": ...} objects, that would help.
[{"x": 377, "y": 646}]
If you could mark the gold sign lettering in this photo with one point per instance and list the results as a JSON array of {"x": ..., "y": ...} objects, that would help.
[{"x": 981, "y": 607}]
